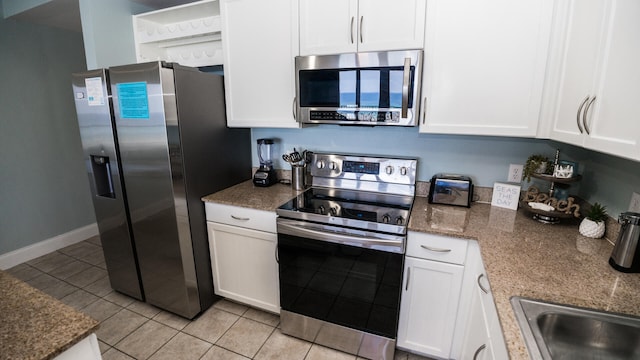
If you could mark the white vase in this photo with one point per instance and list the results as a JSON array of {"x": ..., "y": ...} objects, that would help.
[{"x": 592, "y": 229}]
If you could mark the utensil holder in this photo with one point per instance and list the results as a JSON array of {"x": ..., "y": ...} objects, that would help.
[{"x": 298, "y": 177}]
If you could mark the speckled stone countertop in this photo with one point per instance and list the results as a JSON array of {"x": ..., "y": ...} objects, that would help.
[
  {"x": 247, "y": 195},
  {"x": 33, "y": 325},
  {"x": 522, "y": 257},
  {"x": 526, "y": 258}
]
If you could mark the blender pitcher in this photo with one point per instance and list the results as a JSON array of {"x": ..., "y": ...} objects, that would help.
[{"x": 266, "y": 174}]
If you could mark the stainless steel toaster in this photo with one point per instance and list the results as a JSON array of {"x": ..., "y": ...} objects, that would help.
[{"x": 451, "y": 189}]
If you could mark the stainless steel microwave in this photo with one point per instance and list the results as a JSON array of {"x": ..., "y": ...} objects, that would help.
[{"x": 365, "y": 88}]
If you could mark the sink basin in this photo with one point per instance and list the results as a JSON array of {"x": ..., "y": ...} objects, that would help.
[{"x": 554, "y": 331}]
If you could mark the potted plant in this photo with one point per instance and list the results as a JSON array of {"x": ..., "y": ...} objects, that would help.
[
  {"x": 536, "y": 164},
  {"x": 593, "y": 225}
]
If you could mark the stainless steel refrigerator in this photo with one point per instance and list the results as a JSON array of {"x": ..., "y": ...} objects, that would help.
[{"x": 155, "y": 141}]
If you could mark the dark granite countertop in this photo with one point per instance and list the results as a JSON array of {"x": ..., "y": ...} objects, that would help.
[{"x": 34, "y": 325}]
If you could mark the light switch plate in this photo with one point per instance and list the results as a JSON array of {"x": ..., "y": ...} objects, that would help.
[{"x": 634, "y": 204}]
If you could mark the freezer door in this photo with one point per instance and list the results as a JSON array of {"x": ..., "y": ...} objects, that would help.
[
  {"x": 101, "y": 158},
  {"x": 147, "y": 127}
]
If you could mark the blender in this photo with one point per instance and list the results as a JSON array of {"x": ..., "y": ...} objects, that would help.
[{"x": 266, "y": 174}]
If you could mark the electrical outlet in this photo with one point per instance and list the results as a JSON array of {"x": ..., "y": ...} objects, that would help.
[
  {"x": 634, "y": 204},
  {"x": 515, "y": 173}
]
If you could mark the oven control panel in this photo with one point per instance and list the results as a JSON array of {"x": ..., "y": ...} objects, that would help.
[{"x": 380, "y": 170}]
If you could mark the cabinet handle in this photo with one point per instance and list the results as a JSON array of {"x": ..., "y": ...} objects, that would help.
[
  {"x": 424, "y": 110},
  {"x": 361, "y": 20},
  {"x": 352, "y": 18},
  {"x": 240, "y": 218},
  {"x": 294, "y": 108},
  {"x": 277, "y": 257},
  {"x": 440, "y": 250},
  {"x": 484, "y": 290},
  {"x": 578, "y": 114},
  {"x": 408, "y": 277},
  {"x": 584, "y": 116},
  {"x": 475, "y": 355}
]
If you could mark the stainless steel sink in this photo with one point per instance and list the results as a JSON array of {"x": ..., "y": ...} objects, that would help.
[{"x": 554, "y": 331}]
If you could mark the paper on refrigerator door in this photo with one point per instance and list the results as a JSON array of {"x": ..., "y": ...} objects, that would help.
[{"x": 95, "y": 93}]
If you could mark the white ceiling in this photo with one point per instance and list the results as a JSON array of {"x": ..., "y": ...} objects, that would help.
[{"x": 65, "y": 14}]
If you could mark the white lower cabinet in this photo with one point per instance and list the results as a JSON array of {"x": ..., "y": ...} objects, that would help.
[
  {"x": 481, "y": 333},
  {"x": 431, "y": 290},
  {"x": 243, "y": 259},
  {"x": 447, "y": 310}
]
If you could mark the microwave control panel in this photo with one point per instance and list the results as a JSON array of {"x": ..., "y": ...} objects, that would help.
[{"x": 342, "y": 115}]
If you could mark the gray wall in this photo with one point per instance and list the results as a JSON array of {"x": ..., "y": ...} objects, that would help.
[
  {"x": 107, "y": 29},
  {"x": 44, "y": 190}
]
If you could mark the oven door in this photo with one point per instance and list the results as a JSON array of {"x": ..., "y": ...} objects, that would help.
[{"x": 340, "y": 278}]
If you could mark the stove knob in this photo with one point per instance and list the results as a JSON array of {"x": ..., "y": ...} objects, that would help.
[
  {"x": 321, "y": 209},
  {"x": 333, "y": 165},
  {"x": 333, "y": 211},
  {"x": 386, "y": 218},
  {"x": 320, "y": 164},
  {"x": 399, "y": 220},
  {"x": 389, "y": 170},
  {"x": 403, "y": 171}
]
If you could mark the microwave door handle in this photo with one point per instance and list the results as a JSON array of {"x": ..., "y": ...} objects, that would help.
[{"x": 405, "y": 87}]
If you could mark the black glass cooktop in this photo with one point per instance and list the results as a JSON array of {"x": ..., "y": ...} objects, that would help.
[{"x": 320, "y": 204}]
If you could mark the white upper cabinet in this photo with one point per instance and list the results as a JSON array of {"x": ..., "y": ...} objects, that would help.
[
  {"x": 340, "y": 26},
  {"x": 598, "y": 85},
  {"x": 484, "y": 67},
  {"x": 260, "y": 43}
]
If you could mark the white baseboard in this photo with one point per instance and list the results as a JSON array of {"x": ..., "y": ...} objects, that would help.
[{"x": 44, "y": 247}]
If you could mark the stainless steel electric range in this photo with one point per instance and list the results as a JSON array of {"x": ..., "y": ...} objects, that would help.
[{"x": 341, "y": 250}]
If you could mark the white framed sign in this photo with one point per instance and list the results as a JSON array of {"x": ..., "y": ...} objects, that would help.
[{"x": 505, "y": 195}]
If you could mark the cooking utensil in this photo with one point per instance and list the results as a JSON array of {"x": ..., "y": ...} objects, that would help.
[{"x": 293, "y": 158}]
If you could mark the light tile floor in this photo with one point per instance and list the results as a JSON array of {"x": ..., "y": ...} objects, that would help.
[{"x": 130, "y": 329}]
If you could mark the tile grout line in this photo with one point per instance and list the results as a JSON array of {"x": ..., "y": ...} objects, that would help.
[{"x": 261, "y": 346}]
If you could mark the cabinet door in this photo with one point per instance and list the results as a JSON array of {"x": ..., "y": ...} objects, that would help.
[
  {"x": 391, "y": 24},
  {"x": 485, "y": 65},
  {"x": 260, "y": 42},
  {"x": 428, "y": 307},
  {"x": 582, "y": 34},
  {"x": 476, "y": 337},
  {"x": 340, "y": 26},
  {"x": 244, "y": 265},
  {"x": 482, "y": 337},
  {"x": 328, "y": 26},
  {"x": 612, "y": 121}
]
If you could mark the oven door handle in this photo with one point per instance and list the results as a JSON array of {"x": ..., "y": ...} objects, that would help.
[{"x": 393, "y": 243}]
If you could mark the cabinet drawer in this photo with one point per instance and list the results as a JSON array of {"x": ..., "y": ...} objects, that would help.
[
  {"x": 436, "y": 247},
  {"x": 240, "y": 216}
]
